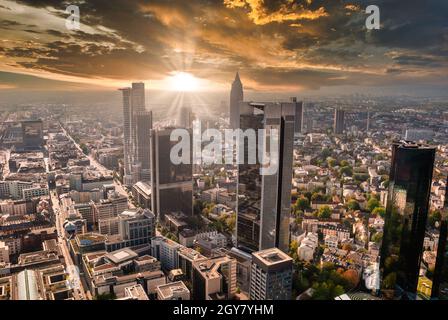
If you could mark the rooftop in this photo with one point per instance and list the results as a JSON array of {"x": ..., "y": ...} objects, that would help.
[{"x": 272, "y": 256}]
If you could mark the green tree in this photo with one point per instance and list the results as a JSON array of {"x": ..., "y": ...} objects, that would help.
[
  {"x": 324, "y": 212},
  {"x": 373, "y": 203},
  {"x": 302, "y": 203},
  {"x": 353, "y": 205},
  {"x": 346, "y": 170},
  {"x": 381, "y": 211}
]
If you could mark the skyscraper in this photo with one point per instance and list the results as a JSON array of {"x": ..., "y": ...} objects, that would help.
[
  {"x": 172, "y": 184},
  {"x": 32, "y": 133},
  {"x": 133, "y": 104},
  {"x": 338, "y": 126},
  {"x": 271, "y": 275},
  {"x": 127, "y": 134},
  {"x": 236, "y": 96},
  {"x": 298, "y": 127},
  {"x": 405, "y": 221},
  {"x": 185, "y": 119},
  {"x": 264, "y": 200},
  {"x": 143, "y": 126},
  {"x": 440, "y": 276}
]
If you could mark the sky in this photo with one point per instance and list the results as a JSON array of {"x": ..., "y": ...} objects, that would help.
[{"x": 276, "y": 45}]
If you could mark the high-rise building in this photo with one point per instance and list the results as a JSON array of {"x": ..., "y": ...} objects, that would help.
[
  {"x": 143, "y": 126},
  {"x": 271, "y": 275},
  {"x": 236, "y": 96},
  {"x": 405, "y": 221},
  {"x": 298, "y": 126},
  {"x": 127, "y": 134},
  {"x": 172, "y": 184},
  {"x": 338, "y": 125},
  {"x": 133, "y": 113},
  {"x": 185, "y": 118},
  {"x": 439, "y": 288},
  {"x": 32, "y": 133},
  {"x": 264, "y": 200}
]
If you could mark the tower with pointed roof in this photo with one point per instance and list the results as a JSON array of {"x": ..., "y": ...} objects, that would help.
[{"x": 236, "y": 96}]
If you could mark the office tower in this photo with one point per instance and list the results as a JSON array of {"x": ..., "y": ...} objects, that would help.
[
  {"x": 264, "y": 200},
  {"x": 143, "y": 126},
  {"x": 271, "y": 275},
  {"x": 405, "y": 221},
  {"x": 338, "y": 125},
  {"x": 133, "y": 104},
  {"x": 127, "y": 134},
  {"x": 32, "y": 133},
  {"x": 236, "y": 96},
  {"x": 135, "y": 227},
  {"x": 440, "y": 276},
  {"x": 172, "y": 184},
  {"x": 368, "y": 120},
  {"x": 214, "y": 278},
  {"x": 298, "y": 126},
  {"x": 185, "y": 118}
]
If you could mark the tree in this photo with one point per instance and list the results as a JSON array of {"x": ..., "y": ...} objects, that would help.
[
  {"x": 302, "y": 203},
  {"x": 324, "y": 212},
  {"x": 344, "y": 163},
  {"x": 293, "y": 246},
  {"x": 377, "y": 237},
  {"x": 352, "y": 277},
  {"x": 373, "y": 203},
  {"x": 353, "y": 205},
  {"x": 84, "y": 148},
  {"x": 346, "y": 170},
  {"x": 434, "y": 216},
  {"x": 332, "y": 162},
  {"x": 325, "y": 153},
  {"x": 381, "y": 211}
]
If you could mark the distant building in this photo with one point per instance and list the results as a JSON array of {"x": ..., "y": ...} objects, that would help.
[
  {"x": 271, "y": 275},
  {"x": 236, "y": 96},
  {"x": 338, "y": 125},
  {"x": 32, "y": 133},
  {"x": 298, "y": 125}
]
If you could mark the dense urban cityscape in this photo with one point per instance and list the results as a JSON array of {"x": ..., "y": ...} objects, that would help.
[
  {"x": 93, "y": 209},
  {"x": 168, "y": 190}
]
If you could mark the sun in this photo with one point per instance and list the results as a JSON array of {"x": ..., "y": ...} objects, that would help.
[{"x": 183, "y": 81}]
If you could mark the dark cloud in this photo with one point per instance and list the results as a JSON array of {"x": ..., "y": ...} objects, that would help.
[{"x": 300, "y": 43}]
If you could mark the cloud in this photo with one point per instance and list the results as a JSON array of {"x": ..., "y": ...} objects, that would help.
[{"x": 275, "y": 44}]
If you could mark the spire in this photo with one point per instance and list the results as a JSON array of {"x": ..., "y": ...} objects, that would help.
[{"x": 237, "y": 77}]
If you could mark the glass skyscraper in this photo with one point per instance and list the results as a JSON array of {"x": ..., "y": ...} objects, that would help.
[
  {"x": 405, "y": 220},
  {"x": 264, "y": 200}
]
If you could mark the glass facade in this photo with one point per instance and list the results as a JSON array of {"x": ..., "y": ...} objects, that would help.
[
  {"x": 172, "y": 183},
  {"x": 264, "y": 199},
  {"x": 405, "y": 220}
]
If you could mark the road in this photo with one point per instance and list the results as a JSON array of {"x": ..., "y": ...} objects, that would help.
[
  {"x": 78, "y": 288},
  {"x": 99, "y": 167}
]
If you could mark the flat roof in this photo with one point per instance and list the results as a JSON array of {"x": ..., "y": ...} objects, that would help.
[{"x": 272, "y": 256}]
